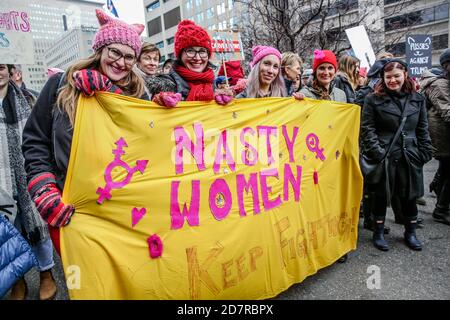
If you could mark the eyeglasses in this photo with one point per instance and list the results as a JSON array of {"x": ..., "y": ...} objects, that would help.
[
  {"x": 202, "y": 53},
  {"x": 116, "y": 54}
]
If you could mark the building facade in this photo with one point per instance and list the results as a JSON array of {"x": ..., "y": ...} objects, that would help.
[
  {"x": 49, "y": 20},
  {"x": 70, "y": 46}
]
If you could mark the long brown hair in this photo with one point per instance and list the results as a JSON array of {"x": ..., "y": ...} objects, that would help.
[
  {"x": 132, "y": 85},
  {"x": 408, "y": 86},
  {"x": 347, "y": 68}
]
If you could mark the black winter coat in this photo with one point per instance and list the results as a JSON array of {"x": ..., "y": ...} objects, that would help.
[
  {"x": 381, "y": 118},
  {"x": 343, "y": 84},
  {"x": 47, "y": 136}
]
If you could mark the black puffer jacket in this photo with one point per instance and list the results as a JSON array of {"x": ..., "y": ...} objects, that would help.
[{"x": 380, "y": 119}]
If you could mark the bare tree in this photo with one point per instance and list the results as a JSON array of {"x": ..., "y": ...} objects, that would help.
[{"x": 304, "y": 25}]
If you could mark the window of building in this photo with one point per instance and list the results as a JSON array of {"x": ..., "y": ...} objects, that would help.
[
  {"x": 152, "y": 6},
  {"x": 154, "y": 26},
  {"x": 199, "y": 17},
  {"x": 198, "y": 3},
  {"x": 221, "y": 8},
  {"x": 230, "y": 4},
  {"x": 171, "y": 55},
  {"x": 417, "y": 17},
  {"x": 160, "y": 44},
  {"x": 440, "y": 42},
  {"x": 189, "y": 5},
  {"x": 172, "y": 18},
  {"x": 210, "y": 13},
  {"x": 163, "y": 58},
  {"x": 397, "y": 49},
  {"x": 170, "y": 40}
]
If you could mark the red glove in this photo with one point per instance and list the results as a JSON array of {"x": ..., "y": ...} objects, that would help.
[
  {"x": 167, "y": 99},
  {"x": 47, "y": 198},
  {"x": 89, "y": 80}
]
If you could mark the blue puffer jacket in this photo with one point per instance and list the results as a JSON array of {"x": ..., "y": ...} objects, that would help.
[{"x": 16, "y": 257}]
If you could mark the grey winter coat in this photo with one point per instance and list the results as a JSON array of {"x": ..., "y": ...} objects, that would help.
[
  {"x": 437, "y": 91},
  {"x": 335, "y": 95},
  {"x": 380, "y": 119}
]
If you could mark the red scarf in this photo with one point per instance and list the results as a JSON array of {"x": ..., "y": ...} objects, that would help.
[{"x": 200, "y": 84}]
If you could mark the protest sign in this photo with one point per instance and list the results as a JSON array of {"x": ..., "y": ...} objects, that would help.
[{"x": 208, "y": 202}]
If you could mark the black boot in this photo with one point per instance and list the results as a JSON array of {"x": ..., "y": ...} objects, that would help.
[
  {"x": 442, "y": 211},
  {"x": 378, "y": 234},
  {"x": 410, "y": 234}
]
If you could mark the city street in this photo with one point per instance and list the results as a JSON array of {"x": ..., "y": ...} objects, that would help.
[{"x": 404, "y": 274}]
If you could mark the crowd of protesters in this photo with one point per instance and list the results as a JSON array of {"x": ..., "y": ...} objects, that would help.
[{"x": 401, "y": 128}]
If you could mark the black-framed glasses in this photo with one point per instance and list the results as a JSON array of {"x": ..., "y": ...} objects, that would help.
[
  {"x": 202, "y": 53},
  {"x": 116, "y": 54}
]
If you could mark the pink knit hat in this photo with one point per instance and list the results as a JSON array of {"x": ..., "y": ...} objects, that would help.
[
  {"x": 259, "y": 52},
  {"x": 116, "y": 31}
]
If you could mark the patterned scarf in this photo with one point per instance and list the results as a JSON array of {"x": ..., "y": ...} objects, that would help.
[
  {"x": 13, "y": 116},
  {"x": 200, "y": 84}
]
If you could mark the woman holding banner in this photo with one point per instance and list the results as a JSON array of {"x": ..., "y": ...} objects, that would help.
[
  {"x": 395, "y": 135},
  {"x": 191, "y": 77},
  {"x": 265, "y": 78},
  {"x": 324, "y": 72},
  {"x": 47, "y": 135}
]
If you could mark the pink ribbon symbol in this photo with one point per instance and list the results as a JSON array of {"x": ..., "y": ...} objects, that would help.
[{"x": 312, "y": 142}]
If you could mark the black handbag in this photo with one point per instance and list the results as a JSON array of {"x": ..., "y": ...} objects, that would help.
[{"x": 373, "y": 171}]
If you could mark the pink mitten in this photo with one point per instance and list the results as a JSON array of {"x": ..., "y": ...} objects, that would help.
[
  {"x": 167, "y": 99},
  {"x": 223, "y": 96}
]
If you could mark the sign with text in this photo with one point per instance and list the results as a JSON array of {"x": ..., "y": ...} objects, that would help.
[
  {"x": 16, "y": 41},
  {"x": 226, "y": 45},
  {"x": 418, "y": 54},
  {"x": 208, "y": 202}
]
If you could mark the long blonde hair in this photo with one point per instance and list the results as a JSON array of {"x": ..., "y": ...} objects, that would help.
[
  {"x": 277, "y": 87},
  {"x": 347, "y": 68},
  {"x": 132, "y": 85}
]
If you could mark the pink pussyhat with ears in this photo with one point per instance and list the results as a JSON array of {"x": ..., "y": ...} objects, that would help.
[
  {"x": 259, "y": 52},
  {"x": 116, "y": 31}
]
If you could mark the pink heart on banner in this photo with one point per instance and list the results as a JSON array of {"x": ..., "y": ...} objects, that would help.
[{"x": 137, "y": 215}]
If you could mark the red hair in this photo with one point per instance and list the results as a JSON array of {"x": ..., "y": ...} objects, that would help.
[{"x": 408, "y": 86}]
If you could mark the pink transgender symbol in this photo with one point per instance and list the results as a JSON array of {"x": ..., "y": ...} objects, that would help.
[{"x": 105, "y": 193}]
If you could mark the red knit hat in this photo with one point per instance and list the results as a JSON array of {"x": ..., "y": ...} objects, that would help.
[
  {"x": 191, "y": 35},
  {"x": 324, "y": 56}
]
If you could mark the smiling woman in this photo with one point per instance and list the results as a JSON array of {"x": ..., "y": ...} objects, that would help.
[
  {"x": 47, "y": 135},
  {"x": 192, "y": 77}
]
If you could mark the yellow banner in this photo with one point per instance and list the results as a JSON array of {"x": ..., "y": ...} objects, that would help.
[{"x": 208, "y": 202}]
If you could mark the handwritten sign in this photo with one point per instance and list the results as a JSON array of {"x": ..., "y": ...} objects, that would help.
[
  {"x": 206, "y": 202},
  {"x": 418, "y": 54},
  {"x": 16, "y": 42}
]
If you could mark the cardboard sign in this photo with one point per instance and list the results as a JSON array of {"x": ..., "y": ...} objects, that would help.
[
  {"x": 361, "y": 45},
  {"x": 418, "y": 53},
  {"x": 226, "y": 45},
  {"x": 16, "y": 41}
]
